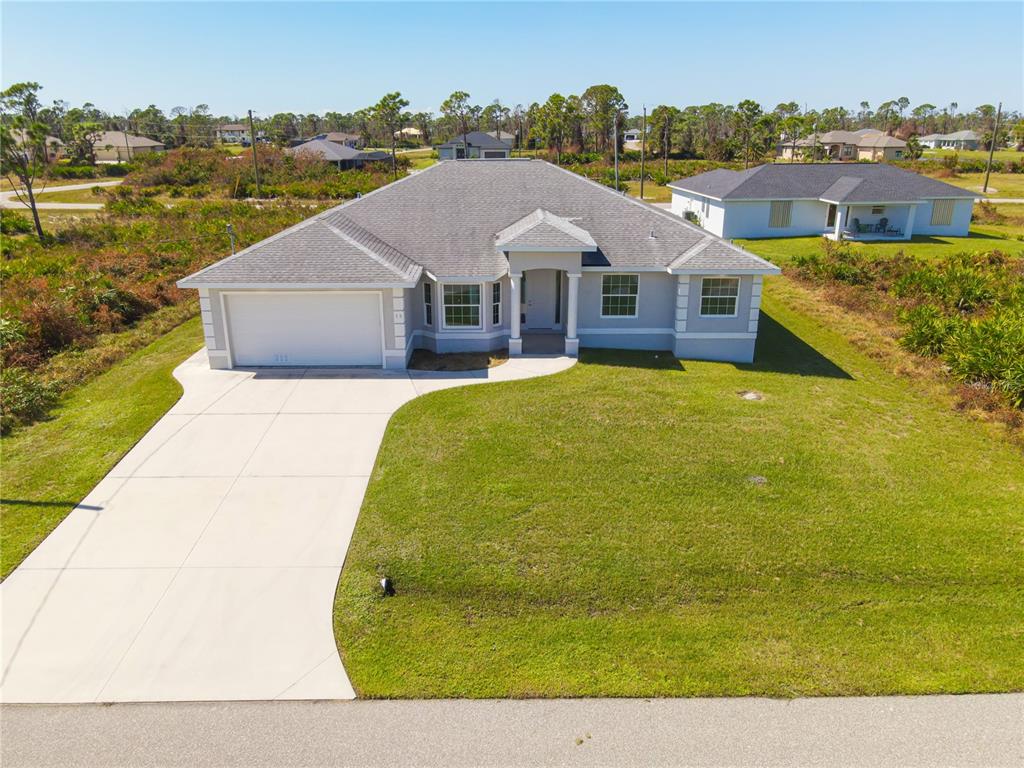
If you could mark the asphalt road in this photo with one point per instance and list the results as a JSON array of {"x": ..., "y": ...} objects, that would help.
[{"x": 885, "y": 731}]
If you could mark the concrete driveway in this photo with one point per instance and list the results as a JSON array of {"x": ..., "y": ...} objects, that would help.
[
  {"x": 204, "y": 566},
  {"x": 10, "y": 199}
]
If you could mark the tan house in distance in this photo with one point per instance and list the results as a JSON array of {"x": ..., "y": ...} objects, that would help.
[
  {"x": 866, "y": 144},
  {"x": 119, "y": 147}
]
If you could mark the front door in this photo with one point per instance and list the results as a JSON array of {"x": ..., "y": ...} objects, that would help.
[
  {"x": 831, "y": 222},
  {"x": 540, "y": 299}
]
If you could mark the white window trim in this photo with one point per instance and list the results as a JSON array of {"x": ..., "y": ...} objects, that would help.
[
  {"x": 636, "y": 304},
  {"x": 496, "y": 323},
  {"x": 444, "y": 314},
  {"x": 426, "y": 321},
  {"x": 700, "y": 299}
]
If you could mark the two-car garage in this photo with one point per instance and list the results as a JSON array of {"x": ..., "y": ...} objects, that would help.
[{"x": 300, "y": 328}]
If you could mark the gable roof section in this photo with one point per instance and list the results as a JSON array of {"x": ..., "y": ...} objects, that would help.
[
  {"x": 319, "y": 251},
  {"x": 543, "y": 231},
  {"x": 833, "y": 182},
  {"x": 326, "y": 150},
  {"x": 447, "y": 219},
  {"x": 116, "y": 139},
  {"x": 478, "y": 139}
]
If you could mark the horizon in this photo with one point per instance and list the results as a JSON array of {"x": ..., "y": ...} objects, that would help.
[{"x": 447, "y": 47}]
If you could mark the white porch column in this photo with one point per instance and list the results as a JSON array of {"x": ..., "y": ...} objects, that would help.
[
  {"x": 572, "y": 343},
  {"x": 908, "y": 231},
  {"x": 841, "y": 211},
  {"x": 515, "y": 341}
]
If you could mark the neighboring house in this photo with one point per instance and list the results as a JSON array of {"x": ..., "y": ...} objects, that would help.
[
  {"x": 233, "y": 133},
  {"x": 632, "y": 138},
  {"x": 54, "y": 146},
  {"x": 341, "y": 155},
  {"x": 957, "y": 140},
  {"x": 866, "y": 144},
  {"x": 409, "y": 133},
  {"x": 475, "y": 144},
  {"x": 480, "y": 256},
  {"x": 340, "y": 137},
  {"x": 118, "y": 147},
  {"x": 860, "y": 201},
  {"x": 506, "y": 136}
]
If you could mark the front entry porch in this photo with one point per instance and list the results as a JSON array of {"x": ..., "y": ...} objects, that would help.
[
  {"x": 870, "y": 222},
  {"x": 547, "y": 301}
]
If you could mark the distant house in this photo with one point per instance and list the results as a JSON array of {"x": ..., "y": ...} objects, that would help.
[
  {"x": 409, "y": 133},
  {"x": 342, "y": 138},
  {"x": 475, "y": 144},
  {"x": 865, "y": 144},
  {"x": 233, "y": 133},
  {"x": 343, "y": 156},
  {"x": 859, "y": 201},
  {"x": 54, "y": 146},
  {"x": 118, "y": 147},
  {"x": 957, "y": 140},
  {"x": 507, "y": 136}
]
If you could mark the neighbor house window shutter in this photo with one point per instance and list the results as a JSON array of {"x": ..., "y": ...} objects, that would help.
[
  {"x": 781, "y": 213},
  {"x": 942, "y": 213}
]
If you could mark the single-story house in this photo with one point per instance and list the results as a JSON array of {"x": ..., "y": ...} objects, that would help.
[
  {"x": 475, "y": 144},
  {"x": 957, "y": 140},
  {"x": 410, "y": 133},
  {"x": 117, "y": 146},
  {"x": 343, "y": 156},
  {"x": 481, "y": 255},
  {"x": 340, "y": 137},
  {"x": 53, "y": 146},
  {"x": 859, "y": 201},
  {"x": 233, "y": 133},
  {"x": 865, "y": 144}
]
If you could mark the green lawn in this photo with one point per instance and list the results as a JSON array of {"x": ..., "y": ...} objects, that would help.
[
  {"x": 999, "y": 184},
  {"x": 73, "y": 196},
  {"x": 1003, "y": 155},
  {"x": 781, "y": 250},
  {"x": 653, "y": 193},
  {"x": 49, "y": 467},
  {"x": 606, "y": 532}
]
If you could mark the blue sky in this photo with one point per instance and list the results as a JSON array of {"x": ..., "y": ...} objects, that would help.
[{"x": 314, "y": 57}]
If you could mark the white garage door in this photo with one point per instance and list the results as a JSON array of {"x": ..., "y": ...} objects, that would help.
[{"x": 291, "y": 328}]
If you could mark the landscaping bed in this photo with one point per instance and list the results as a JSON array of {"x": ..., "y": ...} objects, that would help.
[{"x": 636, "y": 527}]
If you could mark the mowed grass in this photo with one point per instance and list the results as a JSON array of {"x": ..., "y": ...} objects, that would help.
[
  {"x": 633, "y": 527},
  {"x": 653, "y": 193},
  {"x": 983, "y": 237},
  {"x": 91, "y": 195},
  {"x": 1000, "y": 185},
  {"x": 1002, "y": 155},
  {"x": 49, "y": 467}
]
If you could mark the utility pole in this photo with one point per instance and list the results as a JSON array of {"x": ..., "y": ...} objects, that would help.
[
  {"x": 255, "y": 162},
  {"x": 127, "y": 146},
  {"x": 992, "y": 148},
  {"x": 615, "y": 136},
  {"x": 643, "y": 151},
  {"x": 664, "y": 145}
]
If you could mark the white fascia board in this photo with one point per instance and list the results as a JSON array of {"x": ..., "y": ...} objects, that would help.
[
  {"x": 877, "y": 202},
  {"x": 623, "y": 269},
  {"x": 466, "y": 278},
  {"x": 184, "y": 283},
  {"x": 769, "y": 270},
  {"x": 692, "y": 192},
  {"x": 581, "y": 248}
]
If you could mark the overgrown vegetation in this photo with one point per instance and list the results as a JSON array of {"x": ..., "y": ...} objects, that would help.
[
  {"x": 966, "y": 309},
  {"x": 199, "y": 173},
  {"x": 69, "y": 301}
]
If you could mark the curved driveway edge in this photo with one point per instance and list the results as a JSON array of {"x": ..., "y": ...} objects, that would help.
[
  {"x": 203, "y": 566},
  {"x": 9, "y": 198}
]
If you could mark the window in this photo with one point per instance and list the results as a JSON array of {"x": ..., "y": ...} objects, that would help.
[
  {"x": 462, "y": 306},
  {"x": 428, "y": 303},
  {"x": 877, "y": 210},
  {"x": 718, "y": 296},
  {"x": 781, "y": 213},
  {"x": 496, "y": 304},
  {"x": 618, "y": 295},
  {"x": 942, "y": 213}
]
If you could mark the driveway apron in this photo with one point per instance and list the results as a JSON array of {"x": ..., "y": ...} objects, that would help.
[{"x": 204, "y": 565}]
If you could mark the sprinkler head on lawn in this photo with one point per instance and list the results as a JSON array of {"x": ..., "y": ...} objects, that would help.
[{"x": 388, "y": 587}]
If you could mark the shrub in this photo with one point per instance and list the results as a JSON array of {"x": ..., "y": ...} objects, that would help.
[
  {"x": 928, "y": 329},
  {"x": 72, "y": 172},
  {"x": 23, "y": 398},
  {"x": 990, "y": 349},
  {"x": 12, "y": 223}
]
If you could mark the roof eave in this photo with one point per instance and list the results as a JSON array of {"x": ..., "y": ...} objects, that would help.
[
  {"x": 277, "y": 286},
  {"x": 767, "y": 270}
]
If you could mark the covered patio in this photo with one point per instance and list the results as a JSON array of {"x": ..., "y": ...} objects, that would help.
[{"x": 871, "y": 221}]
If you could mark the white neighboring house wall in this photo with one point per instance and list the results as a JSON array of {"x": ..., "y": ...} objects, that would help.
[
  {"x": 960, "y": 225},
  {"x": 708, "y": 211}
]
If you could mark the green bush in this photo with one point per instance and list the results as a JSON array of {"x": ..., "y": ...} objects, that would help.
[
  {"x": 990, "y": 349},
  {"x": 12, "y": 223},
  {"x": 72, "y": 172},
  {"x": 928, "y": 329},
  {"x": 23, "y": 398}
]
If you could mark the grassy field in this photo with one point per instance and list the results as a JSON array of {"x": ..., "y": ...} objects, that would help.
[
  {"x": 5, "y": 184},
  {"x": 999, "y": 184},
  {"x": 49, "y": 467},
  {"x": 73, "y": 196},
  {"x": 653, "y": 193},
  {"x": 1004, "y": 155},
  {"x": 782, "y": 250},
  {"x": 420, "y": 158},
  {"x": 847, "y": 534}
]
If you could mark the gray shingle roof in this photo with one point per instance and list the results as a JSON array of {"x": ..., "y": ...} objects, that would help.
[
  {"x": 834, "y": 182},
  {"x": 542, "y": 230},
  {"x": 446, "y": 218},
  {"x": 316, "y": 251},
  {"x": 478, "y": 139},
  {"x": 326, "y": 150},
  {"x": 117, "y": 139}
]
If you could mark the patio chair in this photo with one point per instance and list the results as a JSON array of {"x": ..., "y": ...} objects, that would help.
[
  {"x": 856, "y": 225},
  {"x": 883, "y": 224}
]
